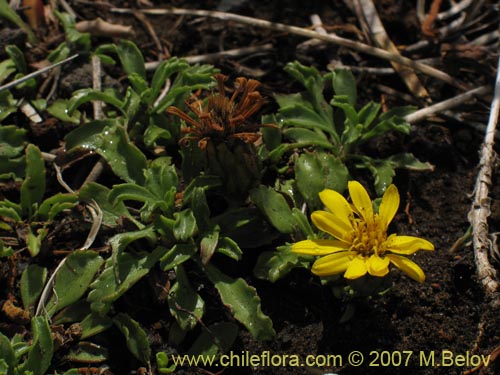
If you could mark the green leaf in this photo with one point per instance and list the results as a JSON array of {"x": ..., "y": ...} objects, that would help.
[
  {"x": 189, "y": 79},
  {"x": 73, "y": 36},
  {"x": 162, "y": 363},
  {"x": 135, "y": 337},
  {"x": 7, "y": 67},
  {"x": 12, "y": 141},
  {"x": 185, "y": 225},
  {"x": 274, "y": 207},
  {"x": 308, "y": 136},
  {"x": 94, "y": 324},
  {"x": 230, "y": 248},
  {"x": 177, "y": 255},
  {"x": 42, "y": 347},
  {"x": 242, "y": 223},
  {"x": 33, "y": 187},
  {"x": 131, "y": 58},
  {"x": 344, "y": 83},
  {"x": 34, "y": 242},
  {"x": 369, "y": 113},
  {"x": 75, "y": 312},
  {"x": 119, "y": 243},
  {"x": 7, "y": 354},
  {"x": 383, "y": 170},
  {"x": 273, "y": 265},
  {"x": 185, "y": 305},
  {"x": 73, "y": 279},
  {"x": 112, "y": 210},
  {"x": 309, "y": 178},
  {"x": 88, "y": 136},
  {"x": 296, "y": 110},
  {"x": 217, "y": 338},
  {"x": 32, "y": 283},
  {"x": 243, "y": 302},
  {"x": 9, "y": 14},
  {"x": 107, "y": 288},
  {"x": 124, "y": 158},
  {"x": 59, "y": 109},
  {"x": 87, "y": 95},
  {"x": 86, "y": 352},
  {"x": 208, "y": 244},
  {"x": 17, "y": 56},
  {"x": 55, "y": 204},
  {"x": 5, "y": 251}
]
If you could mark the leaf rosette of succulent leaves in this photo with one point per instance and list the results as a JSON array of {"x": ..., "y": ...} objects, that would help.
[
  {"x": 220, "y": 139},
  {"x": 175, "y": 230},
  {"x": 329, "y": 136},
  {"x": 331, "y": 133},
  {"x": 31, "y": 217}
]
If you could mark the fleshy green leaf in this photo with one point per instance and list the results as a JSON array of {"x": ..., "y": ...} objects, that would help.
[
  {"x": 124, "y": 158},
  {"x": 59, "y": 109},
  {"x": 177, "y": 255},
  {"x": 86, "y": 352},
  {"x": 243, "y": 302},
  {"x": 112, "y": 210},
  {"x": 73, "y": 279},
  {"x": 131, "y": 58},
  {"x": 218, "y": 338},
  {"x": 55, "y": 204},
  {"x": 93, "y": 324},
  {"x": 185, "y": 225},
  {"x": 12, "y": 140},
  {"x": 273, "y": 265},
  {"x": 33, "y": 187},
  {"x": 32, "y": 283},
  {"x": 185, "y": 305},
  {"x": 344, "y": 83},
  {"x": 34, "y": 242},
  {"x": 107, "y": 288},
  {"x": 274, "y": 207},
  {"x": 7, "y": 354},
  {"x": 208, "y": 244},
  {"x": 10, "y": 14},
  {"x": 135, "y": 337},
  {"x": 42, "y": 347},
  {"x": 87, "y": 95}
]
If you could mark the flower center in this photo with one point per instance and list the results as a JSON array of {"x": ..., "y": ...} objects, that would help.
[{"x": 369, "y": 237}]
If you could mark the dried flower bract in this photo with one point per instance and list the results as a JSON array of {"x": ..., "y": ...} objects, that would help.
[{"x": 221, "y": 118}]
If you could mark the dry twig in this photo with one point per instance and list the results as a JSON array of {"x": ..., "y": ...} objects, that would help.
[
  {"x": 331, "y": 38},
  {"x": 480, "y": 210},
  {"x": 368, "y": 12}
]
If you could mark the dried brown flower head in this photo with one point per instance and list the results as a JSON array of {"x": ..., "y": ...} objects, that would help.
[{"x": 221, "y": 118}]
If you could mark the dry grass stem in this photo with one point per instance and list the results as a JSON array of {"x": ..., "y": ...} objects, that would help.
[
  {"x": 331, "y": 38},
  {"x": 368, "y": 12},
  {"x": 237, "y": 52},
  {"x": 446, "y": 104}
]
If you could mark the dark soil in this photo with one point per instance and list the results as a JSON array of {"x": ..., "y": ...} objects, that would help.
[{"x": 448, "y": 312}]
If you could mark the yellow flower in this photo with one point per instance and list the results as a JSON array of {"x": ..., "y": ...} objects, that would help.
[{"x": 361, "y": 244}]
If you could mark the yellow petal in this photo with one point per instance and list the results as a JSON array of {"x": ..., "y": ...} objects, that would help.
[
  {"x": 377, "y": 266},
  {"x": 332, "y": 264},
  {"x": 407, "y": 266},
  {"x": 407, "y": 245},
  {"x": 331, "y": 224},
  {"x": 318, "y": 247},
  {"x": 337, "y": 205},
  {"x": 357, "y": 268},
  {"x": 389, "y": 205},
  {"x": 361, "y": 200}
]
